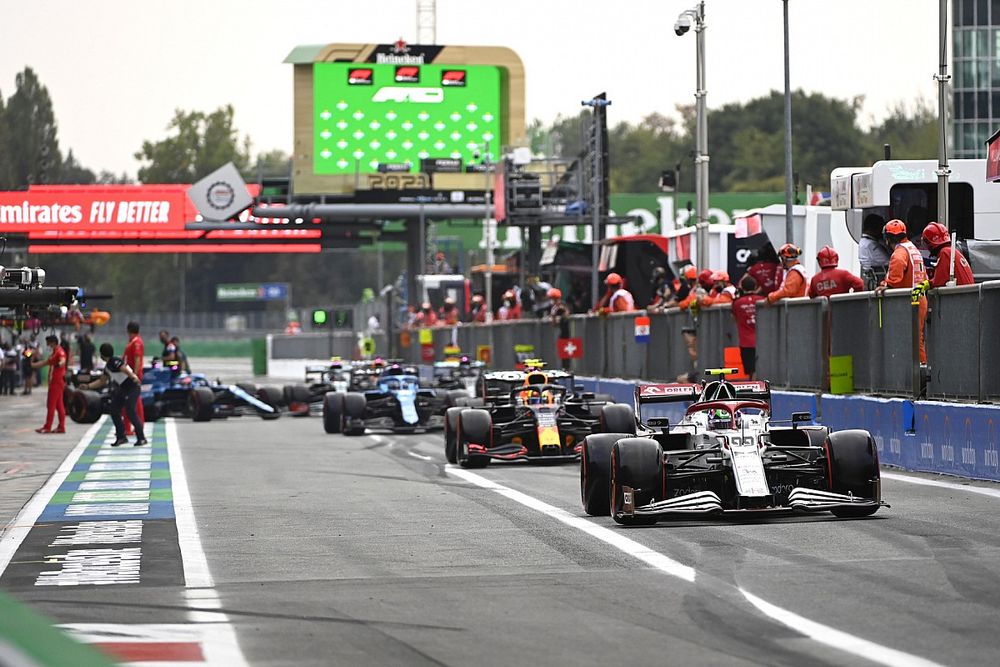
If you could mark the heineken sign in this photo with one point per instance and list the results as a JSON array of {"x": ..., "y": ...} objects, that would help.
[{"x": 251, "y": 292}]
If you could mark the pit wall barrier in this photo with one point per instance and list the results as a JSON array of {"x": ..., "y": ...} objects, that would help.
[
  {"x": 796, "y": 340},
  {"x": 922, "y": 436}
]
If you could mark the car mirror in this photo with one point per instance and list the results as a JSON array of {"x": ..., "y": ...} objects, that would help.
[
  {"x": 658, "y": 422},
  {"x": 799, "y": 417},
  {"x": 588, "y": 396}
]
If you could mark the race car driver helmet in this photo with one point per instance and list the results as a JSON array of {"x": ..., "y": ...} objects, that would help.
[
  {"x": 719, "y": 418},
  {"x": 827, "y": 258},
  {"x": 394, "y": 369}
]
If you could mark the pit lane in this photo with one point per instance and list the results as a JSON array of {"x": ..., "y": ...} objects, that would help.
[{"x": 336, "y": 550}]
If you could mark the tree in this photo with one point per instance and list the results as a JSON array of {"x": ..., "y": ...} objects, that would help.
[
  {"x": 912, "y": 134},
  {"x": 72, "y": 172},
  {"x": 201, "y": 143},
  {"x": 30, "y": 136},
  {"x": 272, "y": 163}
]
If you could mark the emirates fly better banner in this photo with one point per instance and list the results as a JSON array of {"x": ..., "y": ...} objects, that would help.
[{"x": 96, "y": 208}]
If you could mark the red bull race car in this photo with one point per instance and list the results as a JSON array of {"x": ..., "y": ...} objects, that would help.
[
  {"x": 532, "y": 415},
  {"x": 725, "y": 455}
]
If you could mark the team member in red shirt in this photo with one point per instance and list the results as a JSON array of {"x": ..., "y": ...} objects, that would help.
[
  {"x": 745, "y": 312},
  {"x": 134, "y": 356},
  {"x": 938, "y": 241},
  {"x": 57, "y": 385},
  {"x": 832, "y": 280}
]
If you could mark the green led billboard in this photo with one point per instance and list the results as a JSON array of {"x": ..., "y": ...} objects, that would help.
[{"x": 368, "y": 114}]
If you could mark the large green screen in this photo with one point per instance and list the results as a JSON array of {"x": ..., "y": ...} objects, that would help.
[{"x": 366, "y": 114}]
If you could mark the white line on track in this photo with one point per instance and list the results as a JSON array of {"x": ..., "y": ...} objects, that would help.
[
  {"x": 196, "y": 573},
  {"x": 837, "y": 639},
  {"x": 951, "y": 486},
  {"x": 419, "y": 456},
  {"x": 22, "y": 524},
  {"x": 820, "y": 633}
]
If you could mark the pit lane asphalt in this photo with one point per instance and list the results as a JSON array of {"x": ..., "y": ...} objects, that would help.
[{"x": 328, "y": 550}]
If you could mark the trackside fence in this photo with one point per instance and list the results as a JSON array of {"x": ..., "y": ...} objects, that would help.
[{"x": 796, "y": 339}]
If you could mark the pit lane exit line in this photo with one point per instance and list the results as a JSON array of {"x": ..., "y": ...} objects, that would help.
[{"x": 820, "y": 633}]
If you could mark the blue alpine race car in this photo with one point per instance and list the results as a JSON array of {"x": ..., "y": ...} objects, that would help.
[{"x": 397, "y": 402}]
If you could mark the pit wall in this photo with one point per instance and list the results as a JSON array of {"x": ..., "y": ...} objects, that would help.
[{"x": 923, "y": 436}]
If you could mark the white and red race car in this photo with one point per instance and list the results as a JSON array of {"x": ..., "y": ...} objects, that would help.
[{"x": 725, "y": 455}]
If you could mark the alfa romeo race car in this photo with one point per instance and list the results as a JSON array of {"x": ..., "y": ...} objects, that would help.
[
  {"x": 532, "y": 415},
  {"x": 397, "y": 403},
  {"x": 726, "y": 455}
]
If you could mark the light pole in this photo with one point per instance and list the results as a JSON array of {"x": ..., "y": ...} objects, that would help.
[
  {"x": 789, "y": 200},
  {"x": 696, "y": 16},
  {"x": 942, "y": 78},
  {"x": 490, "y": 227}
]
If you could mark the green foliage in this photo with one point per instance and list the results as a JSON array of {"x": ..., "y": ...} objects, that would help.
[
  {"x": 200, "y": 143},
  {"x": 29, "y": 135}
]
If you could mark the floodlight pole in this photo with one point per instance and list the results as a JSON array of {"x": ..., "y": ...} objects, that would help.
[
  {"x": 942, "y": 78},
  {"x": 789, "y": 200},
  {"x": 701, "y": 158}
]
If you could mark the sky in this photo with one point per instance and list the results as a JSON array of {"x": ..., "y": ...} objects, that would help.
[{"x": 117, "y": 70}]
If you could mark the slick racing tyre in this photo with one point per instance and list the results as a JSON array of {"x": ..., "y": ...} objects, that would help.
[
  {"x": 451, "y": 433},
  {"x": 474, "y": 427},
  {"x": 85, "y": 406},
  {"x": 355, "y": 405},
  {"x": 617, "y": 418},
  {"x": 452, "y": 398},
  {"x": 151, "y": 411},
  {"x": 595, "y": 472},
  {"x": 333, "y": 412},
  {"x": 299, "y": 393},
  {"x": 200, "y": 404},
  {"x": 853, "y": 468},
  {"x": 636, "y": 463},
  {"x": 271, "y": 396}
]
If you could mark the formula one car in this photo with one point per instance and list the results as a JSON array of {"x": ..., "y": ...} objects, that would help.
[
  {"x": 726, "y": 456},
  {"x": 304, "y": 399},
  {"x": 459, "y": 380},
  {"x": 167, "y": 391},
  {"x": 397, "y": 403},
  {"x": 532, "y": 415}
]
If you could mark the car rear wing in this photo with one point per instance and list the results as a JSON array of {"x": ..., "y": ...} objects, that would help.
[
  {"x": 666, "y": 393},
  {"x": 753, "y": 389}
]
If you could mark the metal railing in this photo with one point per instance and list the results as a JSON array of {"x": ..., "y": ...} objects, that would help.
[{"x": 795, "y": 341}]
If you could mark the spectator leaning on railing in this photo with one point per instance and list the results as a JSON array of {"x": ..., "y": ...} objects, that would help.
[
  {"x": 616, "y": 298},
  {"x": 794, "y": 283},
  {"x": 906, "y": 270},
  {"x": 938, "y": 242},
  {"x": 723, "y": 291},
  {"x": 831, "y": 280}
]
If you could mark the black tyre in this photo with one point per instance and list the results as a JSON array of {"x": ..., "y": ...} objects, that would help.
[
  {"x": 636, "y": 463},
  {"x": 474, "y": 427},
  {"x": 151, "y": 412},
  {"x": 595, "y": 472},
  {"x": 85, "y": 406},
  {"x": 453, "y": 396},
  {"x": 617, "y": 418},
  {"x": 271, "y": 396},
  {"x": 333, "y": 412},
  {"x": 355, "y": 405},
  {"x": 854, "y": 469},
  {"x": 200, "y": 402},
  {"x": 451, "y": 434},
  {"x": 300, "y": 393}
]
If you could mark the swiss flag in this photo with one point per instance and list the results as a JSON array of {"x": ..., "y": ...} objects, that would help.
[{"x": 570, "y": 348}]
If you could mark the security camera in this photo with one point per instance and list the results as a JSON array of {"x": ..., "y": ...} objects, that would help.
[{"x": 683, "y": 24}]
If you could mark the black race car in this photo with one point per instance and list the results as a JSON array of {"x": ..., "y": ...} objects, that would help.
[
  {"x": 397, "y": 402},
  {"x": 532, "y": 415}
]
